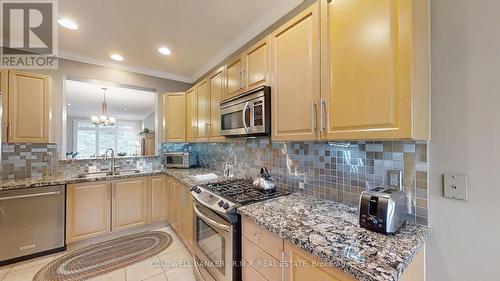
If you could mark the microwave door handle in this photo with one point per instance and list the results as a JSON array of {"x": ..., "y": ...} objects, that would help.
[{"x": 244, "y": 117}]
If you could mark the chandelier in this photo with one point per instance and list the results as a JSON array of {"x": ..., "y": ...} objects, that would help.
[{"x": 103, "y": 119}]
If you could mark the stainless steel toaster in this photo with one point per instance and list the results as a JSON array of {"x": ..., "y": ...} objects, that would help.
[{"x": 382, "y": 210}]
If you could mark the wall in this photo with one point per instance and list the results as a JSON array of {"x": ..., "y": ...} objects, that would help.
[
  {"x": 149, "y": 121},
  {"x": 465, "y": 137},
  {"x": 332, "y": 171},
  {"x": 89, "y": 71}
]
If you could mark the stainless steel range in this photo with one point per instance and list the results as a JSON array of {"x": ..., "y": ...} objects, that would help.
[{"x": 217, "y": 244}]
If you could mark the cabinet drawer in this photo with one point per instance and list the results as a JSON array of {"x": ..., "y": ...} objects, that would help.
[
  {"x": 272, "y": 244},
  {"x": 250, "y": 274},
  {"x": 261, "y": 261}
]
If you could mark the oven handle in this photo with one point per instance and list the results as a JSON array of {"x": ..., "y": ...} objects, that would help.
[
  {"x": 209, "y": 220},
  {"x": 244, "y": 117}
]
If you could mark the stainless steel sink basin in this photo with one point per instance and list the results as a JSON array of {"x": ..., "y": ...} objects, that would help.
[{"x": 107, "y": 174}]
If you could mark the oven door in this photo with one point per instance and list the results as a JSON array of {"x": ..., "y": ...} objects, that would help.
[
  {"x": 213, "y": 243},
  {"x": 236, "y": 119}
]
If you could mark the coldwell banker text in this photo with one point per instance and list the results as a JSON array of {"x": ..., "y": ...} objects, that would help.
[{"x": 29, "y": 34}]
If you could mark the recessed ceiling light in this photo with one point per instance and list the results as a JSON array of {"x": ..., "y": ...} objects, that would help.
[
  {"x": 67, "y": 23},
  {"x": 165, "y": 51},
  {"x": 116, "y": 57},
  {"x": 125, "y": 109},
  {"x": 69, "y": 104}
]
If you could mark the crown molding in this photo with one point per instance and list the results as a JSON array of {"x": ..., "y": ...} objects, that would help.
[
  {"x": 266, "y": 20},
  {"x": 141, "y": 70}
]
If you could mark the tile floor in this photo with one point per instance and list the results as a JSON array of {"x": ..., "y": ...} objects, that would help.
[{"x": 174, "y": 264}]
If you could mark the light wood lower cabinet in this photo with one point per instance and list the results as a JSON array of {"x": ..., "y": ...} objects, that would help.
[
  {"x": 129, "y": 206},
  {"x": 180, "y": 212},
  {"x": 98, "y": 208},
  {"x": 157, "y": 197},
  {"x": 88, "y": 212}
]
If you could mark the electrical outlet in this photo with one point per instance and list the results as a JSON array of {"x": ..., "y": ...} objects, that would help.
[
  {"x": 395, "y": 179},
  {"x": 301, "y": 185},
  {"x": 455, "y": 187}
]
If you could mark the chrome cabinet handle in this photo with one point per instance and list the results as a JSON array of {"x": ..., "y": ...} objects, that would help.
[
  {"x": 321, "y": 113},
  {"x": 313, "y": 112},
  {"x": 325, "y": 105},
  {"x": 210, "y": 221},
  {"x": 29, "y": 195},
  {"x": 10, "y": 130},
  {"x": 257, "y": 235}
]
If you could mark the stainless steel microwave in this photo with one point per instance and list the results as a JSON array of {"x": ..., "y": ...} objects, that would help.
[
  {"x": 184, "y": 160},
  {"x": 248, "y": 114}
]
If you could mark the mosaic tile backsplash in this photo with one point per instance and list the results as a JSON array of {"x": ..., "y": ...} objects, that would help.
[
  {"x": 39, "y": 160},
  {"x": 332, "y": 171}
]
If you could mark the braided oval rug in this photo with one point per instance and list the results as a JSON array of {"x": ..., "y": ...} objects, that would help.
[{"x": 105, "y": 257}]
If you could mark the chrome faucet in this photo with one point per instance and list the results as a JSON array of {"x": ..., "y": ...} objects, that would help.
[{"x": 112, "y": 167}]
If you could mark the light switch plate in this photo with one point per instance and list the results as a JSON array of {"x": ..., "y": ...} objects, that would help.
[{"x": 455, "y": 187}]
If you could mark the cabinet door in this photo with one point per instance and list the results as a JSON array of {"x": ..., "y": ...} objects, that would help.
[
  {"x": 174, "y": 117},
  {"x": 157, "y": 199},
  {"x": 28, "y": 107},
  {"x": 191, "y": 115},
  {"x": 170, "y": 201},
  {"x": 302, "y": 267},
  {"x": 295, "y": 82},
  {"x": 256, "y": 71},
  {"x": 88, "y": 211},
  {"x": 367, "y": 84},
  {"x": 203, "y": 103},
  {"x": 129, "y": 203},
  {"x": 216, "y": 82},
  {"x": 234, "y": 77},
  {"x": 4, "y": 78}
]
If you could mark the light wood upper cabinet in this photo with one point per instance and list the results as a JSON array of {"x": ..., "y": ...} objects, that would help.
[
  {"x": 4, "y": 80},
  {"x": 256, "y": 58},
  {"x": 129, "y": 203},
  {"x": 28, "y": 98},
  {"x": 216, "y": 83},
  {"x": 375, "y": 70},
  {"x": 295, "y": 64},
  {"x": 174, "y": 117},
  {"x": 234, "y": 77},
  {"x": 88, "y": 211},
  {"x": 191, "y": 114},
  {"x": 157, "y": 197},
  {"x": 203, "y": 106}
]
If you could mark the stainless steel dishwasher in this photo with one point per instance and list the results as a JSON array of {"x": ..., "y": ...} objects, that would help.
[{"x": 31, "y": 222}]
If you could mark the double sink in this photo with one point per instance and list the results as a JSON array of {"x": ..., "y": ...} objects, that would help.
[{"x": 107, "y": 174}]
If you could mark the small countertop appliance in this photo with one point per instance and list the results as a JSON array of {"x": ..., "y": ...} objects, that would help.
[{"x": 382, "y": 210}]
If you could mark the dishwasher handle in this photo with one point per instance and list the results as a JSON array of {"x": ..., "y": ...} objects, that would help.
[{"x": 29, "y": 195}]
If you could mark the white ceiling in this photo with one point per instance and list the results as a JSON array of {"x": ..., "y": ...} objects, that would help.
[
  {"x": 86, "y": 100},
  {"x": 200, "y": 33}
]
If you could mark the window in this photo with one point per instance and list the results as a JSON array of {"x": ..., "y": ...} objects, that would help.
[{"x": 92, "y": 140}]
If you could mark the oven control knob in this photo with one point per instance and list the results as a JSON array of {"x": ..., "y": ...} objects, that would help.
[
  {"x": 197, "y": 190},
  {"x": 221, "y": 203},
  {"x": 226, "y": 206}
]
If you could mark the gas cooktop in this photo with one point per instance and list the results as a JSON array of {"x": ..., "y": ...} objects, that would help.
[{"x": 228, "y": 194}]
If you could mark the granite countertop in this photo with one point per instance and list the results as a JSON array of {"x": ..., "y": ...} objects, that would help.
[
  {"x": 59, "y": 180},
  {"x": 184, "y": 175},
  {"x": 330, "y": 231}
]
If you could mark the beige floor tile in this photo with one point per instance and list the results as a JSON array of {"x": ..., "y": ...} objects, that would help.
[
  {"x": 143, "y": 269},
  {"x": 177, "y": 259},
  {"x": 159, "y": 277},
  {"x": 41, "y": 261},
  {"x": 25, "y": 274},
  {"x": 117, "y": 275},
  {"x": 3, "y": 271},
  {"x": 180, "y": 274}
]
